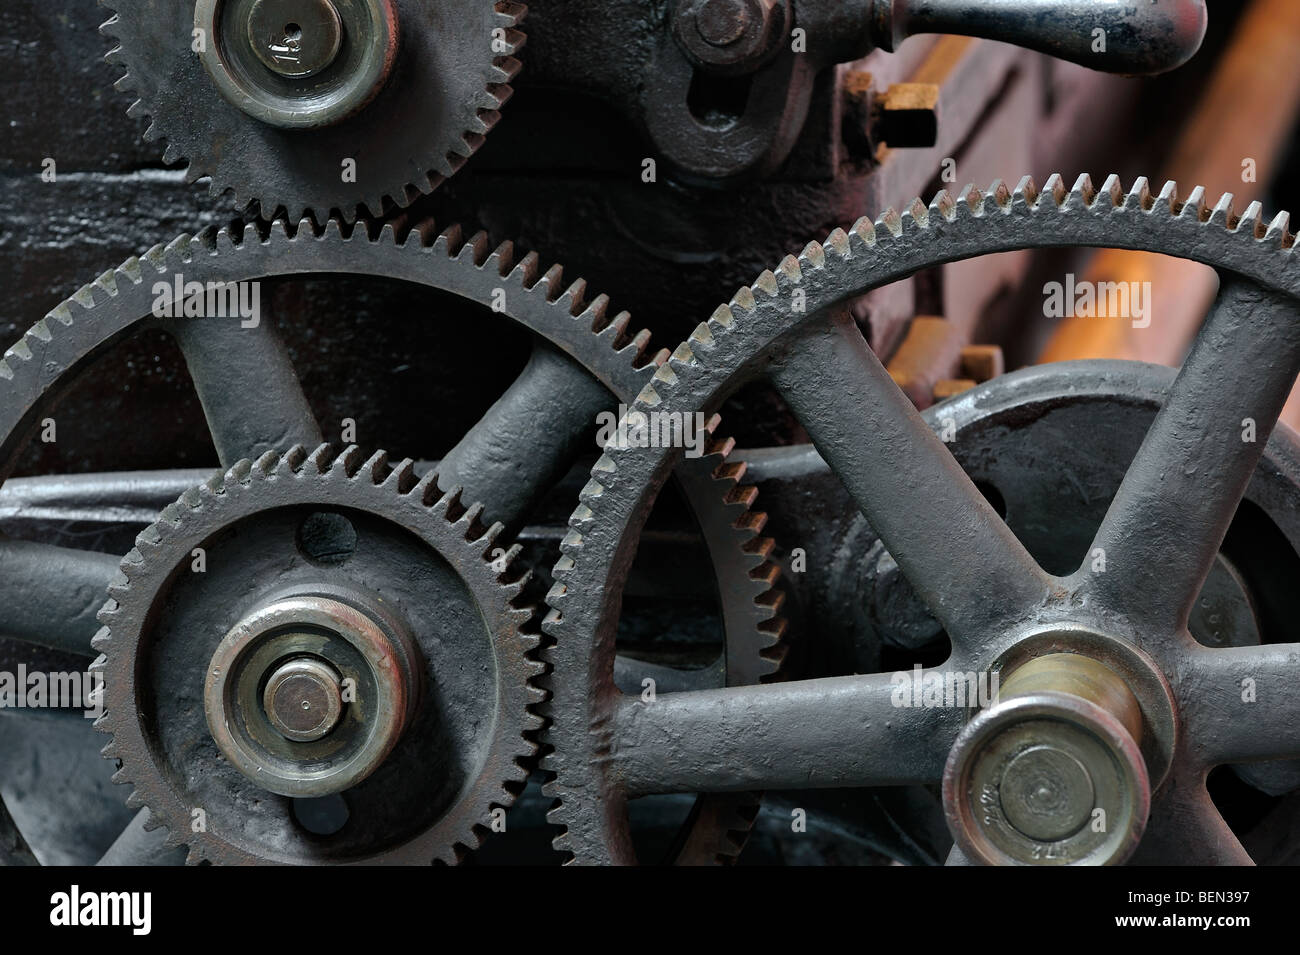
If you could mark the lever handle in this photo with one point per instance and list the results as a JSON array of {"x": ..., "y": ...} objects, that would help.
[{"x": 1137, "y": 36}]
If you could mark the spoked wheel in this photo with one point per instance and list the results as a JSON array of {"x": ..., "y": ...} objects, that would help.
[{"x": 1110, "y": 715}]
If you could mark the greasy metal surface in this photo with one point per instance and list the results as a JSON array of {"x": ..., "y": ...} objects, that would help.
[{"x": 753, "y": 336}]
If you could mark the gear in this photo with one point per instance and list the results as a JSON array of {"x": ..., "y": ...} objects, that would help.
[
  {"x": 310, "y": 535},
  {"x": 120, "y": 302},
  {"x": 318, "y": 104},
  {"x": 1000, "y": 610}
]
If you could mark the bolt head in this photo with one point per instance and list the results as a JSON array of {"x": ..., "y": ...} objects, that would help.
[
  {"x": 1046, "y": 793},
  {"x": 295, "y": 38},
  {"x": 303, "y": 699}
]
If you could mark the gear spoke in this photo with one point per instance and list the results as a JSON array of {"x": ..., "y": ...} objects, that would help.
[
  {"x": 1185, "y": 828},
  {"x": 1178, "y": 497},
  {"x": 540, "y": 421},
  {"x": 827, "y": 733},
  {"x": 961, "y": 557},
  {"x": 1239, "y": 704},
  {"x": 250, "y": 392},
  {"x": 51, "y": 594}
]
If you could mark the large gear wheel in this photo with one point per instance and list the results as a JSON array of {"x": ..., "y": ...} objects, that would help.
[
  {"x": 317, "y": 105},
  {"x": 254, "y": 404},
  {"x": 340, "y": 557},
  {"x": 1165, "y": 709}
]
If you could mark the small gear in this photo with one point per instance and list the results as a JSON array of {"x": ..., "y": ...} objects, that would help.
[
  {"x": 318, "y": 104},
  {"x": 318, "y": 571}
]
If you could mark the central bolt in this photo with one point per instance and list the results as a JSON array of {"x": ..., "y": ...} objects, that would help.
[
  {"x": 1046, "y": 793},
  {"x": 295, "y": 38},
  {"x": 1051, "y": 773},
  {"x": 721, "y": 22},
  {"x": 303, "y": 699}
]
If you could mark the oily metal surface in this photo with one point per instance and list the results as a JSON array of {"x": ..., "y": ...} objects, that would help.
[
  {"x": 736, "y": 345},
  {"x": 119, "y": 303},
  {"x": 466, "y": 749},
  {"x": 451, "y": 76}
]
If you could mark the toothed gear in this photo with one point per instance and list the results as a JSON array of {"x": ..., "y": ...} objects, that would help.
[
  {"x": 39, "y": 369},
  {"x": 465, "y": 749},
  {"x": 448, "y": 74},
  {"x": 605, "y": 748}
]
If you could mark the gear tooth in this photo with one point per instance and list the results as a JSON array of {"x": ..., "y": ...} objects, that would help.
[
  {"x": 943, "y": 205},
  {"x": 449, "y": 241},
  {"x": 788, "y": 272},
  {"x": 102, "y": 640},
  {"x": 1169, "y": 196},
  {"x": 744, "y": 297},
  {"x": 549, "y": 283},
  {"x": 595, "y": 314},
  {"x": 1279, "y": 230},
  {"x": 110, "y": 750},
  {"x": 615, "y": 329},
  {"x": 837, "y": 243},
  {"x": 591, "y": 491},
  {"x": 998, "y": 197},
  {"x": 1025, "y": 193},
  {"x": 525, "y": 271},
  {"x": 916, "y": 215},
  {"x": 194, "y": 857},
  {"x": 702, "y": 336},
  {"x": 320, "y": 459},
  {"x": 1250, "y": 221},
  {"x": 122, "y": 778},
  {"x": 1223, "y": 214},
  {"x": 239, "y": 473},
  {"x": 292, "y": 460},
  {"x": 489, "y": 537},
  {"x": 1194, "y": 206},
  {"x": 1113, "y": 190},
  {"x": 1054, "y": 189},
  {"x": 573, "y": 297},
  {"x": 813, "y": 254},
  {"x": 402, "y": 478},
  {"x": 1139, "y": 197},
  {"x": 375, "y": 467},
  {"x": 475, "y": 249},
  {"x": 426, "y": 490},
  {"x": 571, "y": 543},
  {"x": 863, "y": 234},
  {"x": 265, "y": 465},
  {"x": 349, "y": 461},
  {"x": 502, "y": 258},
  {"x": 766, "y": 283},
  {"x": 890, "y": 221},
  {"x": 470, "y": 518}
]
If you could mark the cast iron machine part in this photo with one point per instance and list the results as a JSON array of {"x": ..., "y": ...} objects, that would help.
[
  {"x": 321, "y": 105},
  {"x": 727, "y": 87},
  {"x": 330, "y": 586},
  {"x": 1144, "y": 715}
]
